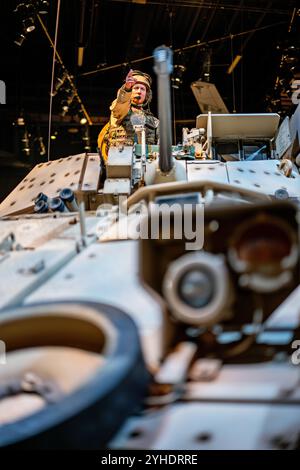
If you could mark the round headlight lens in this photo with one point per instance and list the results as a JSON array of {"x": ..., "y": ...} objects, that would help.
[{"x": 196, "y": 288}]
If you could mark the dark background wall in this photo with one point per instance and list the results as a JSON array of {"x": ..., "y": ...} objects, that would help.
[{"x": 117, "y": 33}]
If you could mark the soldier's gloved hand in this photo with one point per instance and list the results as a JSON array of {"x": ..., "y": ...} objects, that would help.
[
  {"x": 286, "y": 167},
  {"x": 129, "y": 81}
]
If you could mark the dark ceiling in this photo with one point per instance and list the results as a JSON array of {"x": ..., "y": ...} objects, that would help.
[{"x": 118, "y": 32}]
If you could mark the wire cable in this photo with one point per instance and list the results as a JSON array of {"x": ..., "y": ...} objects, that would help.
[
  {"x": 52, "y": 78},
  {"x": 69, "y": 78},
  {"x": 56, "y": 56},
  {"x": 182, "y": 49},
  {"x": 173, "y": 91},
  {"x": 232, "y": 75}
]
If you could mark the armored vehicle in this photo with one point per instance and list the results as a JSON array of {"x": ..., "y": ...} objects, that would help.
[{"x": 152, "y": 301}]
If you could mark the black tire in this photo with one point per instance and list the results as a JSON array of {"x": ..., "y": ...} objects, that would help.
[{"x": 88, "y": 417}]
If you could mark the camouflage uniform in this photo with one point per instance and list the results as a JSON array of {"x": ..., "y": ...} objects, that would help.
[{"x": 121, "y": 131}]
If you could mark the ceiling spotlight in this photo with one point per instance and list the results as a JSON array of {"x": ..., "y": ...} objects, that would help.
[
  {"x": 86, "y": 140},
  {"x": 42, "y": 148},
  {"x": 26, "y": 15},
  {"x": 64, "y": 107},
  {"x": 20, "y": 39},
  {"x": 29, "y": 25},
  {"x": 59, "y": 83},
  {"x": 22, "y": 9},
  {"x": 25, "y": 143},
  {"x": 20, "y": 121},
  {"x": 42, "y": 6},
  {"x": 206, "y": 67},
  {"x": 82, "y": 118},
  {"x": 67, "y": 102},
  {"x": 177, "y": 75}
]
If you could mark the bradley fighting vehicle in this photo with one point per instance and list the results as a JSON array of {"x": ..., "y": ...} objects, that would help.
[{"x": 152, "y": 301}]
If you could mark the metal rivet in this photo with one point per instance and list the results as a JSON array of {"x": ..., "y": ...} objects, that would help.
[
  {"x": 135, "y": 433},
  {"x": 213, "y": 225},
  {"x": 204, "y": 437}
]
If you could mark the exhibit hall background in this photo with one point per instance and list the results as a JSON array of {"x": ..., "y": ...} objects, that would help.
[{"x": 120, "y": 32}]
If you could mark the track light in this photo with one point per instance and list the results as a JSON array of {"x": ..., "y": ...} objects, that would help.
[
  {"x": 27, "y": 13},
  {"x": 29, "y": 25},
  {"x": 24, "y": 9},
  {"x": 64, "y": 107},
  {"x": 25, "y": 138},
  {"x": 42, "y": 7},
  {"x": 178, "y": 72},
  {"x": 86, "y": 140},
  {"x": 25, "y": 143},
  {"x": 20, "y": 39},
  {"x": 41, "y": 145},
  {"x": 60, "y": 82},
  {"x": 206, "y": 68},
  {"x": 82, "y": 118},
  {"x": 67, "y": 101},
  {"x": 20, "y": 121}
]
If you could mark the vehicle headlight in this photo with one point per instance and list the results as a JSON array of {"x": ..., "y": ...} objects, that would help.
[{"x": 196, "y": 287}]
